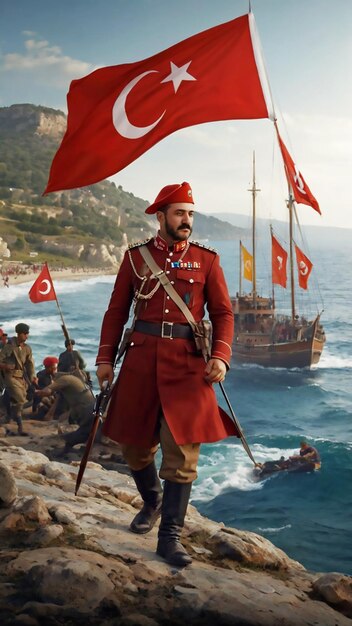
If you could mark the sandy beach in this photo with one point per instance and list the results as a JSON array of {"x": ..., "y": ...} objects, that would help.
[{"x": 64, "y": 274}]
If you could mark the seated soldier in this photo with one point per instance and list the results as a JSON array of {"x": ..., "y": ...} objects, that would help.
[
  {"x": 81, "y": 402},
  {"x": 44, "y": 408}
]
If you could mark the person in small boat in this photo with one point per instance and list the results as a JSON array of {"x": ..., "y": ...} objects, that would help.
[{"x": 307, "y": 454}]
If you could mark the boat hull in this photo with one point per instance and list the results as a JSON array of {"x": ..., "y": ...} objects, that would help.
[{"x": 291, "y": 354}]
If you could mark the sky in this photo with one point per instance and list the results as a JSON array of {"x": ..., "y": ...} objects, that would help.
[{"x": 307, "y": 47}]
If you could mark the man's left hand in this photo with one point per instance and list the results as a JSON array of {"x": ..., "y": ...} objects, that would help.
[{"x": 215, "y": 371}]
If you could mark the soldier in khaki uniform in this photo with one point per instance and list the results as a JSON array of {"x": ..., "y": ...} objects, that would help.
[
  {"x": 80, "y": 400},
  {"x": 17, "y": 365}
]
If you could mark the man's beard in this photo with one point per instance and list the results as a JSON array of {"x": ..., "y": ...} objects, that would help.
[{"x": 176, "y": 233}]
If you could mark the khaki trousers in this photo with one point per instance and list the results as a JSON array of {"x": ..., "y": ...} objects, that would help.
[{"x": 179, "y": 463}]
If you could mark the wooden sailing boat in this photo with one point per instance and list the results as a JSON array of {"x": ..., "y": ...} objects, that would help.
[{"x": 262, "y": 336}]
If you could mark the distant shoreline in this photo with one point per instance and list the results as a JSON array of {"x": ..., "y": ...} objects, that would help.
[{"x": 64, "y": 274}]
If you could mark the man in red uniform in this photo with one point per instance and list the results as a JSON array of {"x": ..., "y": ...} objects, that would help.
[{"x": 164, "y": 392}]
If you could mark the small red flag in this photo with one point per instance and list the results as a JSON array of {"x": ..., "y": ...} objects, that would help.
[
  {"x": 304, "y": 266},
  {"x": 117, "y": 113},
  {"x": 42, "y": 289},
  {"x": 301, "y": 192},
  {"x": 279, "y": 262}
]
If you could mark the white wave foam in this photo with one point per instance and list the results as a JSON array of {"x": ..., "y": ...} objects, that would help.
[
  {"x": 274, "y": 530},
  {"x": 38, "y": 325},
  {"x": 214, "y": 478},
  {"x": 331, "y": 361},
  {"x": 14, "y": 292}
]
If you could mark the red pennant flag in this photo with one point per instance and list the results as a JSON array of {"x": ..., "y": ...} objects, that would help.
[
  {"x": 117, "y": 113},
  {"x": 279, "y": 262},
  {"x": 304, "y": 266},
  {"x": 42, "y": 289},
  {"x": 301, "y": 192}
]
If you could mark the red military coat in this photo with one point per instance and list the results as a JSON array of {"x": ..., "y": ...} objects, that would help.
[{"x": 160, "y": 373}]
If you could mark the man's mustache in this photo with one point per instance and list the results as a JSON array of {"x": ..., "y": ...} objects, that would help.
[{"x": 184, "y": 226}]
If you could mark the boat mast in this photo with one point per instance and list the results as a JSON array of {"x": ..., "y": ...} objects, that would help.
[
  {"x": 240, "y": 276},
  {"x": 254, "y": 191},
  {"x": 292, "y": 278}
]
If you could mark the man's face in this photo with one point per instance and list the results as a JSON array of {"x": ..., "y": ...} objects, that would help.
[
  {"x": 176, "y": 221},
  {"x": 22, "y": 337},
  {"x": 52, "y": 369}
]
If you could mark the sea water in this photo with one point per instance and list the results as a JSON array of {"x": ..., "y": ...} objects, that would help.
[{"x": 309, "y": 515}]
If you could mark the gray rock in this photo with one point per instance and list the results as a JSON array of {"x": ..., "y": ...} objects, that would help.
[
  {"x": 74, "y": 582},
  {"x": 336, "y": 589},
  {"x": 44, "y": 536},
  {"x": 33, "y": 509},
  {"x": 24, "y": 620},
  {"x": 8, "y": 487},
  {"x": 135, "y": 619}
]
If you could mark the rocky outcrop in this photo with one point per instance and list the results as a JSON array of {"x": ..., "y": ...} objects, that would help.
[
  {"x": 68, "y": 559},
  {"x": 25, "y": 118},
  {"x": 104, "y": 255},
  {"x": 4, "y": 249},
  {"x": 100, "y": 255}
]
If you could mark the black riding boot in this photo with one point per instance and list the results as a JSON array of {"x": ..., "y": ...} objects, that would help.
[
  {"x": 174, "y": 507},
  {"x": 149, "y": 486}
]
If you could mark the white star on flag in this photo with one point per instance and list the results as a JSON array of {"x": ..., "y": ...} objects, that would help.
[{"x": 178, "y": 74}]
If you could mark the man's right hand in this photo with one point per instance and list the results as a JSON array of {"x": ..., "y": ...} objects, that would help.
[{"x": 105, "y": 372}]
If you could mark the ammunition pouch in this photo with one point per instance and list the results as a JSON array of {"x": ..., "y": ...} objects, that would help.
[
  {"x": 124, "y": 343},
  {"x": 202, "y": 332}
]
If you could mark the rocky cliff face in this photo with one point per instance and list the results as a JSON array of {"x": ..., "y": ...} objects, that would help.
[
  {"x": 25, "y": 119},
  {"x": 70, "y": 559}
]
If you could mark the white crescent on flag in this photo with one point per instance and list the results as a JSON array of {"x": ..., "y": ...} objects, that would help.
[
  {"x": 303, "y": 268},
  {"x": 119, "y": 115},
  {"x": 298, "y": 180},
  {"x": 48, "y": 287}
]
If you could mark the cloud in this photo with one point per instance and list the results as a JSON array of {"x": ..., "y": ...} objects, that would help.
[{"x": 44, "y": 62}]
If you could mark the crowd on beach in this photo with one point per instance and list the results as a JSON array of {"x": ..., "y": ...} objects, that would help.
[
  {"x": 18, "y": 273},
  {"x": 61, "y": 390}
]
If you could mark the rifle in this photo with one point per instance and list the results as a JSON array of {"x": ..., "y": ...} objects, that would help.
[{"x": 101, "y": 402}]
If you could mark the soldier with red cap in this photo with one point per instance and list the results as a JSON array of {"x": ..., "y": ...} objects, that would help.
[
  {"x": 164, "y": 392},
  {"x": 45, "y": 377}
]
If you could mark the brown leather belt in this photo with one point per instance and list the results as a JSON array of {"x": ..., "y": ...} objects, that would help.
[{"x": 167, "y": 330}]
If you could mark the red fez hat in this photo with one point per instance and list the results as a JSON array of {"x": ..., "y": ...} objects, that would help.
[
  {"x": 171, "y": 194},
  {"x": 50, "y": 360}
]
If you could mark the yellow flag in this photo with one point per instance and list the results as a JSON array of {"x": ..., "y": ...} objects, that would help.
[{"x": 247, "y": 262}]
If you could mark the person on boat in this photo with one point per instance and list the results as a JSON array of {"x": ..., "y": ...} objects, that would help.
[
  {"x": 70, "y": 359},
  {"x": 307, "y": 454},
  {"x": 17, "y": 365},
  {"x": 164, "y": 393}
]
